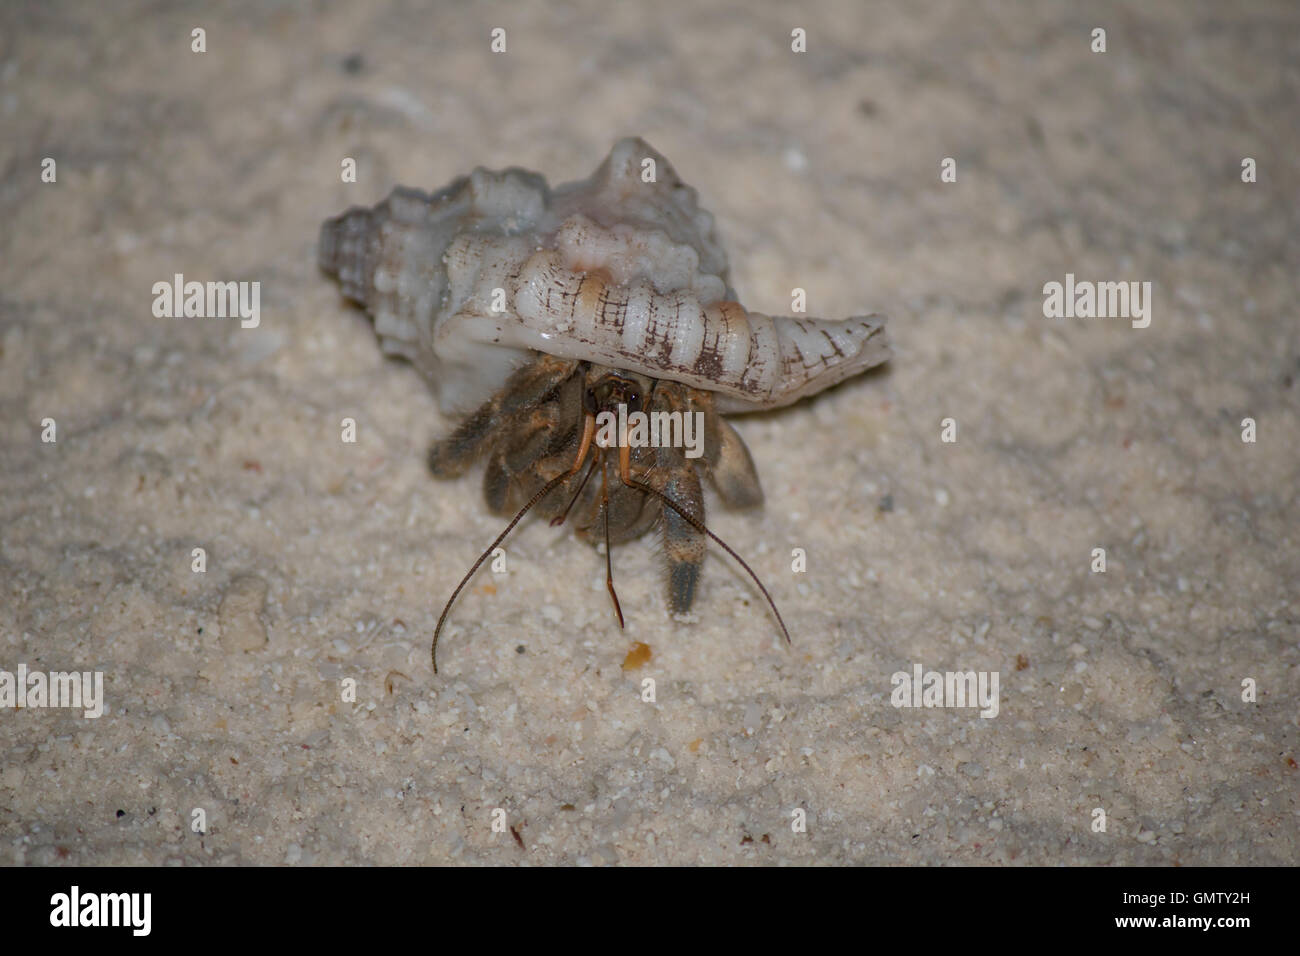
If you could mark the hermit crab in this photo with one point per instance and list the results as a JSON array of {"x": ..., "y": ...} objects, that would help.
[{"x": 590, "y": 337}]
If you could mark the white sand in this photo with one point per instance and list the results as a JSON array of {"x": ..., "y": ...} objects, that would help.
[{"x": 1120, "y": 691}]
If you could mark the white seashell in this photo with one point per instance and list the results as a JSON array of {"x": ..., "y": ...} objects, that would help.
[{"x": 613, "y": 270}]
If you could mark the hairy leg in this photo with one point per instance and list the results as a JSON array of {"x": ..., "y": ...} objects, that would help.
[
  {"x": 684, "y": 545},
  {"x": 675, "y": 476},
  {"x": 536, "y": 448},
  {"x": 531, "y": 386}
]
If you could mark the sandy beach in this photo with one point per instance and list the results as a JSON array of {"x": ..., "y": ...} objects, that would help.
[{"x": 1099, "y": 512}]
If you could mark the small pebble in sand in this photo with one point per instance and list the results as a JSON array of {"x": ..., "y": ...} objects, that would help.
[{"x": 637, "y": 657}]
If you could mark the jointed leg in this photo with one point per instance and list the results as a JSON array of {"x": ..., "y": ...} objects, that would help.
[
  {"x": 684, "y": 544},
  {"x": 523, "y": 392},
  {"x": 733, "y": 472},
  {"x": 726, "y": 459}
]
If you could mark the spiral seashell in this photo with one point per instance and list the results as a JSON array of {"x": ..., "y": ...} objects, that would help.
[{"x": 623, "y": 269}]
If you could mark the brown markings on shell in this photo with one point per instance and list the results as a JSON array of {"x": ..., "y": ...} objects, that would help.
[{"x": 391, "y": 259}]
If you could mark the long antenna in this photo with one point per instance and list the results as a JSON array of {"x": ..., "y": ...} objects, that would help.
[
  {"x": 699, "y": 525},
  {"x": 546, "y": 489},
  {"x": 609, "y": 553},
  {"x": 626, "y": 476}
]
